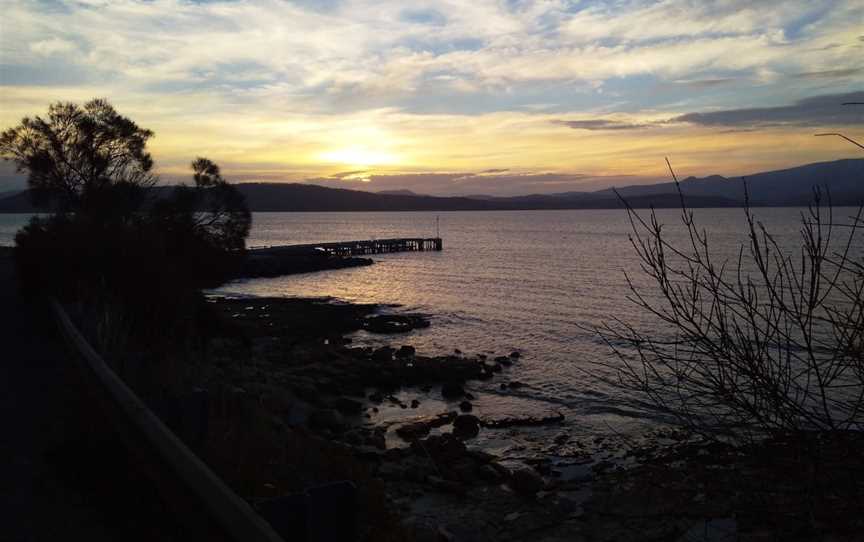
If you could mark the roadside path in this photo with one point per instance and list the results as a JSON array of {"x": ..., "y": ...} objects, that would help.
[{"x": 58, "y": 482}]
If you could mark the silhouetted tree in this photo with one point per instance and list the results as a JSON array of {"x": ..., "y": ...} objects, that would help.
[
  {"x": 206, "y": 224},
  {"x": 111, "y": 240},
  {"x": 76, "y": 154}
]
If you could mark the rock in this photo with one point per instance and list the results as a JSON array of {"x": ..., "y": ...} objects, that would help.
[
  {"x": 415, "y": 403},
  {"x": 516, "y": 385},
  {"x": 447, "y": 486},
  {"x": 452, "y": 391},
  {"x": 466, "y": 406},
  {"x": 377, "y": 440},
  {"x": 466, "y": 426},
  {"x": 406, "y": 351},
  {"x": 347, "y": 406},
  {"x": 562, "y": 439},
  {"x": 385, "y": 353},
  {"x": 503, "y": 360},
  {"x": 444, "y": 449},
  {"x": 515, "y": 355},
  {"x": 327, "y": 419},
  {"x": 502, "y": 471},
  {"x": 376, "y": 397},
  {"x": 394, "y": 323},
  {"x": 420, "y": 428},
  {"x": 525, "y": 482},
  {"x": 489, "y": 473}
]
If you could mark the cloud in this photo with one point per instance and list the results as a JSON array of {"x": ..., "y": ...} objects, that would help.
[
  {"x": 825, "y": 110},
  {"x": 830, "y": 74},
  {"x": 53, "y": 46},
  {"x": 599, "y": 124}
]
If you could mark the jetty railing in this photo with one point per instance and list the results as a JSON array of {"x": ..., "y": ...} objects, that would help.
[{"x": 193, "y": 491}]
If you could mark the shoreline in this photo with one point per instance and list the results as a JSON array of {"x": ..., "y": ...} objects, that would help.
[
  {"x": 322, "y": 391},
  {"x": 314, "y": 380}
]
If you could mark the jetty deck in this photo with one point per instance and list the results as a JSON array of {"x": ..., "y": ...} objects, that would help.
[{"x": 357, "y": 248}]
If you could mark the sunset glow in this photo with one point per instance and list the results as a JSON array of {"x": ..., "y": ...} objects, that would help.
[{"x": 553, "y": 96}]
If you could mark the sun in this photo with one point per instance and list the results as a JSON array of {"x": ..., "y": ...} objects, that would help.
[{"x": 359, "y": 156}]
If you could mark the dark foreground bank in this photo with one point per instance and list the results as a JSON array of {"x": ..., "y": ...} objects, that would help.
[{"x": 65, "y": 476}]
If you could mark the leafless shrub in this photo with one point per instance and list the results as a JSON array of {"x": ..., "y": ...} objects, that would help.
[{"x": 769, "y": 342}]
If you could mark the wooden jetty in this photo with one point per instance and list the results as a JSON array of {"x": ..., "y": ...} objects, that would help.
[
  {"x": 358, "y": 248},
  {"x": 290, "y": 259}
]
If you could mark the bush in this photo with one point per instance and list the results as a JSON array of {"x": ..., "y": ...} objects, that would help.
[{"x": 769, "y": 343}]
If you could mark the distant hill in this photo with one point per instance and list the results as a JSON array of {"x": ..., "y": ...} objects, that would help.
[
  {"x": 9, "y": 193},
  {"x": 843, "y": 178},
  {"x": 397, "y": 193},
  {"x": 18, "y": 202}
]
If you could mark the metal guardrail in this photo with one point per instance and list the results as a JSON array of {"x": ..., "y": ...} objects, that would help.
[{"x": 226, "y": 512}]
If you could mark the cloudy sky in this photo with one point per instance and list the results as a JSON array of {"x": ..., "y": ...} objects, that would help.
[{"x": 447, "y": 97}]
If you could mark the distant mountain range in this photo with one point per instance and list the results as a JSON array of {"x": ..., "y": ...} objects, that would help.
[{"x": 843, "y": 179}]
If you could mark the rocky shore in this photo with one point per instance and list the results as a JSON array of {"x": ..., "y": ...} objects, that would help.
[{"x": 421, "y": 477}]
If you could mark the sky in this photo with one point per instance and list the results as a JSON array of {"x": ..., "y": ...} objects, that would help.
[{"x": 472, "y": 97}]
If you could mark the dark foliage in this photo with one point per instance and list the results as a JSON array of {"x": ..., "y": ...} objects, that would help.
[
  {"x": 108, "y": 244},
  {"x": 77, "y": 151}
]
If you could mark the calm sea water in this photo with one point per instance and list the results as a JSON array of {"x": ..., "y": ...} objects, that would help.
[{"x": 531, "y": 281}]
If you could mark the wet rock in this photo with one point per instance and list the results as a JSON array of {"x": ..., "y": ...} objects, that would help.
[
  {"x": 466, "y": 406},
  {"x": 406, "y": 351},
  {"x": 452, "y": 391},
  {"x": 420, "y": 428},
  {"x": 525, "y": 482},
  {"x": 515, "y": 355},
  {"x": 385, "y": 353},
  {"x": 562, "y": 439},
  {"x": 515, "y": 385},
  {"x": 394, "y": 323},
  {"x": 444, "y": 449},
  {"x": 523, "y": 422},
  {"x": 415, "y": 403},
  {"x": 466, "y": 426}
]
